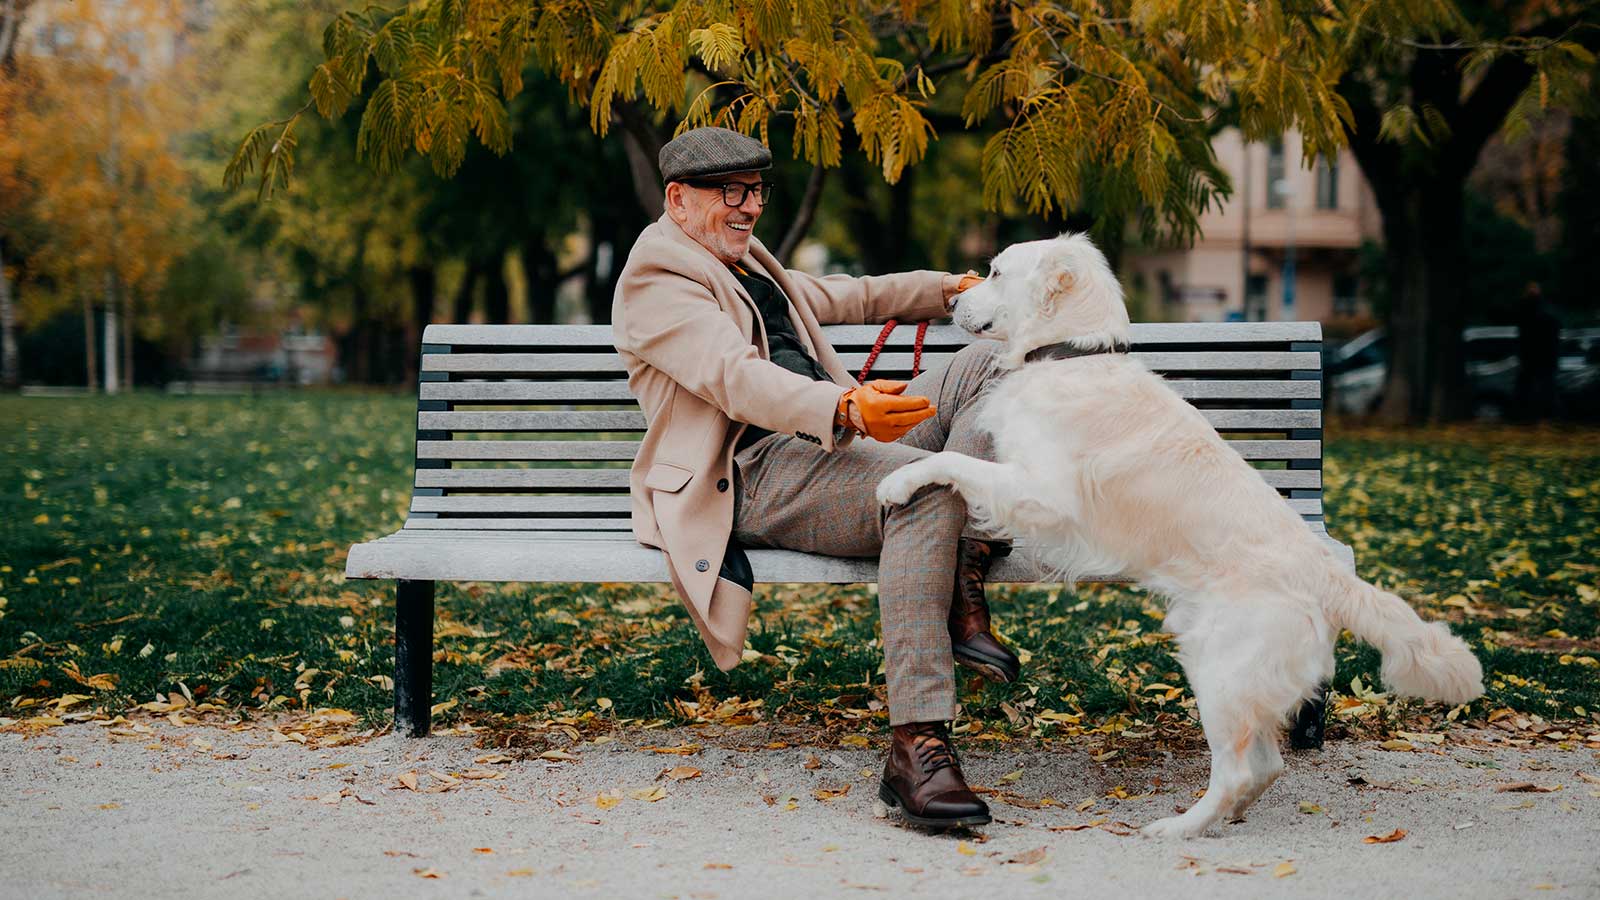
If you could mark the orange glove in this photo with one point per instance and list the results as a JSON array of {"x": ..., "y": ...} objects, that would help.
[{"x": 877, "y": 410}]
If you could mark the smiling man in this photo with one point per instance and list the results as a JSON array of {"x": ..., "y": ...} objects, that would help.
[{"x": 753, "y": 440}]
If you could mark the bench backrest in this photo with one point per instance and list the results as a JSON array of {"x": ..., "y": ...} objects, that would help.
[{"x": 532, "y": 427}]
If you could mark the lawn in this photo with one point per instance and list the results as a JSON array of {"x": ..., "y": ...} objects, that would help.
[{"x": 155, "y": 547}]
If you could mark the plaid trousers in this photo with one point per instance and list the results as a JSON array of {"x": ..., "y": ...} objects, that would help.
[{"x": 794, "y": 495}]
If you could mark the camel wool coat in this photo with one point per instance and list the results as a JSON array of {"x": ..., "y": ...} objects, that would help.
[{"x": 695, "y": 350}]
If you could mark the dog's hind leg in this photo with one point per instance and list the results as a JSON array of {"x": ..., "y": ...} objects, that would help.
[
  {"x": 1233, "y": 781},
  {"x": 1265, "y": 763},
  {"x": 1249, "y": 661}
]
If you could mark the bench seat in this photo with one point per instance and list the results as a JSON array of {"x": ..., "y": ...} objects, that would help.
[{"x": 611, "y": 556}]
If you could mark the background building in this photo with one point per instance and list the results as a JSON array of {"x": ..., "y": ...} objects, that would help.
[{"x": 1282, "y": 210}]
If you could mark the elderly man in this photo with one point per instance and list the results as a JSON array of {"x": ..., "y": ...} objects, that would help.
[{"x": 758, "y": 435}]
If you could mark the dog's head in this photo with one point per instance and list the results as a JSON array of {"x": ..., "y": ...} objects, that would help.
[{"x": 1046, "y": 292}]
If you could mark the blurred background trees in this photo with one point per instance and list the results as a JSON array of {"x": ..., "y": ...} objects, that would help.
[{"x": 324, "y": 172}]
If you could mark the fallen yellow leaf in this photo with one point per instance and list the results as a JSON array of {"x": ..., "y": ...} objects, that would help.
[
  {"x": 607, "y": 799},
  {"x": 1398, "y": 834},
  {"x": 965, "y": 849},
  {"x": 650, "y": 795},
  {"x": 1284, "y": 870},
  {"x": 826, "y": 794}
]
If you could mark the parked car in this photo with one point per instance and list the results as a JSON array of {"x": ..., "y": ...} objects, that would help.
[{"x": 1355, "y": 370}]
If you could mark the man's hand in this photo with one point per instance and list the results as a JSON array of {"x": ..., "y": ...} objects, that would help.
[
  {"x": 878, "y": 410},
  {"x": 955, "y": 284}
]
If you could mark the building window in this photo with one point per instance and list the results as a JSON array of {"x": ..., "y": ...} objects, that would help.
[
  {"x": 1345, "y": 288},
  {"x": 1255, "y": 298},
  {"x": 1327, "y": 184},
  {"x": 1276, "y": 187}
]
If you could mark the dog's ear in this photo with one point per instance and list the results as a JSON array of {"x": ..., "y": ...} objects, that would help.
[{"x": 1059, "y": 283}]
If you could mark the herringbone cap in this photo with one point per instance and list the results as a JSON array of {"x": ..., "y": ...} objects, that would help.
[{"x": 702, "y": 152}]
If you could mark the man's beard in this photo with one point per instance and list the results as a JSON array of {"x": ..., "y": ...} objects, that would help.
[{"x": 719, "y": 243}]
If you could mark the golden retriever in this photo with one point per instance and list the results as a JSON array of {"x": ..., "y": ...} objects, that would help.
[{"x": 1102, "y": 468}]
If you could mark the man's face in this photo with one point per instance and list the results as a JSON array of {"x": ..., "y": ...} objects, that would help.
[{"x": 701, "y": 213}]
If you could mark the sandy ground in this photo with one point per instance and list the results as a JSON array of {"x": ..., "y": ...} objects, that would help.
[{"x": 205, "y": 812}]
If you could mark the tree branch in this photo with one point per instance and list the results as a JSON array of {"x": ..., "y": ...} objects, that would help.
[
  {"x": 11, "y": 15},
  {"x": 1485, "y": 109},
  {"x": 643, "y": 146},
  {"x": 803, "y": 216}
]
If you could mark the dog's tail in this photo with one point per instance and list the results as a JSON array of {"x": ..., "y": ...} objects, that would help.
[{"x": 1420, "y": 659}]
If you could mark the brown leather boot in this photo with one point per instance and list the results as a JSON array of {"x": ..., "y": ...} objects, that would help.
[
  {"x": 923, "y": 778},
  {"x": 971, "y": 640}
]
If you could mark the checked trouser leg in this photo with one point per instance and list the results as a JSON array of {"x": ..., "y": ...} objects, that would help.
[{"x": 794, "y": 495}]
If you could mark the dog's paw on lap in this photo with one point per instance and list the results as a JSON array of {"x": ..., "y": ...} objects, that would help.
[{"x": 896, "y": 489}]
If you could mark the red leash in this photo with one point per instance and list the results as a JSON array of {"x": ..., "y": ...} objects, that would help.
[{"x": 877, "y": 347}]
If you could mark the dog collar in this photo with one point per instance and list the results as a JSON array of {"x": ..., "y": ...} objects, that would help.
[{"x": 1069, "y": 351}]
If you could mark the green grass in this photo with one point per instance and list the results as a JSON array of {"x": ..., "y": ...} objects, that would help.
[{"x": 148, "y": 542}]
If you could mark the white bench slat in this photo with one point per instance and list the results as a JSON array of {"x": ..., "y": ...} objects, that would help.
[
  {"x": 1143, "y": 333},
  {"x": 550, "y": 392},
  {"x": 499, "y": 556},
  {"x": 522, "y": 420},
  {"x": 619, "y": 525},
  {"x": 488, "y": 503},
  {"x": 617, "y": 479},
  {"x": 593, "y": 363},
  {"x": 627, "y": 448},
  {"x": 614, "y": 391},
  {"x": 610, "y": 503},
  {"x": 524, "y": 479},
  {"x": 509, "y": 450}
]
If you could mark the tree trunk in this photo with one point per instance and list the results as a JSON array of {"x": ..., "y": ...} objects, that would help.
[
  {"x": 109, "y": 334},
  {"x": 92, "y": 370},
  {"x": 803, "y": 216},
  {"x": 461, "y": 306},
  {"x": 541, "y": 271},
  {"x": 424, "y": 281},
  {"x": 496, "y": 293},
  {"x": 127, "y": 339},
  {"x": 1420, "y": 189},
  {"x": 642, "y": 142},
  {"x": 10, "y": 365}
]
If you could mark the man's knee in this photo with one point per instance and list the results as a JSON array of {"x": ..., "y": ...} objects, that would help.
[{"x": 933, "y": 502}]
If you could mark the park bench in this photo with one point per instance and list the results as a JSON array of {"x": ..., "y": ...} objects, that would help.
[{"x": 525, "y": 434}]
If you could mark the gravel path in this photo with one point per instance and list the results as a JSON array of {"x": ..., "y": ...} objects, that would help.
[{"x": 208, "y": 812}]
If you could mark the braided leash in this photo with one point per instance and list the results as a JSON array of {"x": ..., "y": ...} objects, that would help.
[{"x": 883, "y": 336}]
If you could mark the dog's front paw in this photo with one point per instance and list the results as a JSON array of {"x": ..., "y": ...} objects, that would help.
[{"x": 897, "y": 488}]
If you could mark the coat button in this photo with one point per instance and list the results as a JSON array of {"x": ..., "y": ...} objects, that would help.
[
  {"x": 701, "y": 565},
  {"x": 722, "y": 484}
]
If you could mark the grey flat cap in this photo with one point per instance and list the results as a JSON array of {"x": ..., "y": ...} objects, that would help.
[{"x": 709, "y": 151}]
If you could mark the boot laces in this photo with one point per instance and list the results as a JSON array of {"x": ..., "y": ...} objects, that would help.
[
  {"x": 973, "y": 569},
  {"x": 934, "y": 751}
]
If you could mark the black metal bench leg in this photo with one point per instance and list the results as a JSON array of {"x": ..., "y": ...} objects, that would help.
[
  {"x": 1306, "y": 732},
  {"x": 413, "y": 658}
]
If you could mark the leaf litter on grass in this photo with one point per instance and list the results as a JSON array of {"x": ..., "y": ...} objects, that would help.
[{"x": 208, "y": 517}]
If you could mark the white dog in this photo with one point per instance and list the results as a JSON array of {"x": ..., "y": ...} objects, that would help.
[{"x": 1104, "y": 469}]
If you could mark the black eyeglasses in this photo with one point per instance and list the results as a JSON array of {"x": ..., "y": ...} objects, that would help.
[{"x": 735, "y": 192}]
